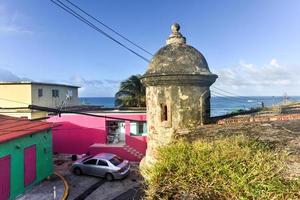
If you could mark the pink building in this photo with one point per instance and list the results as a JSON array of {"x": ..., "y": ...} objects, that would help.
[{"x": 122, "y": 132}]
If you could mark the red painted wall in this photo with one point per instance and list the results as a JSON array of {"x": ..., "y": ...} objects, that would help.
[
  {"x": 4, "y": 177},
  {"x": 76, "y": 133},
  {"x": 29, "y": 164}
]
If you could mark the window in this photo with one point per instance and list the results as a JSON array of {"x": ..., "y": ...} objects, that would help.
[
  {"x": 90, "y": 162},
  {"x": 116, "y": 161},
  {"x": 86, "y": 158},
  {"x": 102, "y": 163},
  {"x": 40, "y": 92},
  {"x": 116, "y": 132},
  {"x": 164, "y": 112},
  {"x": 142, "y": 127},
  {"x": 70, "y": 93},
  {"x": 138, "y": 128},
  {"x": 55, "y": 93}
]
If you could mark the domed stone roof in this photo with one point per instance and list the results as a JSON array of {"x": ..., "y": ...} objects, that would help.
[{"x": 177, "y": 60}]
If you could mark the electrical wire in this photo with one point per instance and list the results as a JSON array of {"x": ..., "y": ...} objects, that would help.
[
  {"x": 230, "y": 98},
  {"x": 111, "y": 29},
  {"x": 235, "y": 95},
  {"x": 63, "y": 6},
  {"x": 84, "y": 20},
  {"x": 4, "y": 99},
  {"x": 53, "y": 128}
]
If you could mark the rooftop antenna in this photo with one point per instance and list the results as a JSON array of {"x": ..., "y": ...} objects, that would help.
[
  {"x": 69, "y": 95},
  {"x": 285, "y": 98}
]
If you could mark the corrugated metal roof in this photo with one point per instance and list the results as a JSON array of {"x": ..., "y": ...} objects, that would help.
[{"x": 12, "y": 127}]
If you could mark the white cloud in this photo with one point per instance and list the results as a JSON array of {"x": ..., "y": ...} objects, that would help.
[
  {"x": 95, "y": 88},
  {"x": 270, "y": 79},
  {"x": 89, "y": 88},
  {"x": 274, "y": 63},
  {"x": 13, "y": 22},
  {"x": 248, "y": 79}
]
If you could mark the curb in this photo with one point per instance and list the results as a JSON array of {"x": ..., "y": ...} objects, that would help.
[{"x": 66, "y": 185}]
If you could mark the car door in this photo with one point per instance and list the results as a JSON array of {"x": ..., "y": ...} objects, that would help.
[
  {"x": 102, "y": 168},
  {"x": 88, "y": 166}
]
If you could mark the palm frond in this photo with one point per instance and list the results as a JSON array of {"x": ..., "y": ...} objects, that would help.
[{"x": 131, "y": 93}]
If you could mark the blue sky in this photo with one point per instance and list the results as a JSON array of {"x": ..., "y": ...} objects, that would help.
[{"x": 252, "y": 45}]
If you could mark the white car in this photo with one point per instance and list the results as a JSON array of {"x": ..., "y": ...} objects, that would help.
[{"x": 105, "y": 165}]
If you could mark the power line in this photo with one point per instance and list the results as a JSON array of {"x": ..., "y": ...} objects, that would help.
[
  {"x": 226, "y": 107},
  {"x": 81, "y": 18},
  {"x": 230, "y": 98},
  {"x": 236, "y": 98},
  {"x": 226, "y": 92},
  {"x": 53, "y": 128},
  {"x": 106, "y": 26},
  {"x": 14, "y": 101},
  {"x": 58, "y": 111},
  {"x": 84, "y": 20}
]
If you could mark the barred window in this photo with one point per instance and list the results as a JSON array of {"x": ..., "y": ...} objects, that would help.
[
  {"x": 55, "y": 93},
  {"x": 40, "y": 92}
]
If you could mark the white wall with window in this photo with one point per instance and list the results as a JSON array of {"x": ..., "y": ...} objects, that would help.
[
  {"x": 54, "y": 95},
  {"x": 138, "y": 128},
  {"x": 116, "y": 132}
]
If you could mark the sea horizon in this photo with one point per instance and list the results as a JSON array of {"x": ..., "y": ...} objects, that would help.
[{"x": 220, "y": 105}]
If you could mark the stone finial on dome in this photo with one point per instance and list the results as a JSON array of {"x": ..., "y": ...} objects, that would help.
[
  {"x": 175, "y": 28},
  {"x": 176, "y": 36}
]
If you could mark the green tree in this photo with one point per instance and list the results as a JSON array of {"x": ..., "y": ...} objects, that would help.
[{"x": 132, "y": 93}]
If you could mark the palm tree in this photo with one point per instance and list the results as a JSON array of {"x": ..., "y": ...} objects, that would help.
[{"x": 132, "y": 93}]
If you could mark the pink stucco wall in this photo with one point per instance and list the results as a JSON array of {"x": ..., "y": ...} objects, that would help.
[
  {"x": 115, "y": 150},
  {"x": 76, "y": 133}
]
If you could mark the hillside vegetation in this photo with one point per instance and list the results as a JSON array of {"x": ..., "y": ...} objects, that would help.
[{"x": 233, "y": 167}]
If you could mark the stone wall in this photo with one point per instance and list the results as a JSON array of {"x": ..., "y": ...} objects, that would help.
[
  {"x": 265, "y": 118},
  {"x": 173, "y": 109}
]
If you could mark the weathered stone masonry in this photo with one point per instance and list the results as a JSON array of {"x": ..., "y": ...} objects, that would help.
[{"x": 177, "y": 92}]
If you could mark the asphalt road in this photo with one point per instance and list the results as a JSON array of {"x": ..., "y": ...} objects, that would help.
[{"x": 95, "y": 188}]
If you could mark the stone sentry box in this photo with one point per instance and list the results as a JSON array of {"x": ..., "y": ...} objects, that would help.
[{"x": 177, "y": 91}]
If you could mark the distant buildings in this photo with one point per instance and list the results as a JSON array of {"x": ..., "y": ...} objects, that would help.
[
  {"x": 16, "y": 96},
  {"x": 25, "y": 154}
]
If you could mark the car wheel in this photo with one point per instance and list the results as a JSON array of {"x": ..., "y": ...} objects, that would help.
[
  {"x": 109, "y": 177},
  {"x": 77, "y": 171}
]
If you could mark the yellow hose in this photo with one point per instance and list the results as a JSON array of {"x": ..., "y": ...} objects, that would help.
[{"x": 66, "y": 185}]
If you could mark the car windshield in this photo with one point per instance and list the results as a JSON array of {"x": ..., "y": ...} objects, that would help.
[
  {"x": 116, "y": 161},
  {"x": 88, "y": 157}
]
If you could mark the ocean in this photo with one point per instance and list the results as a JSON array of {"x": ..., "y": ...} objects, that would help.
[{"x": 219, "y": 105}]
